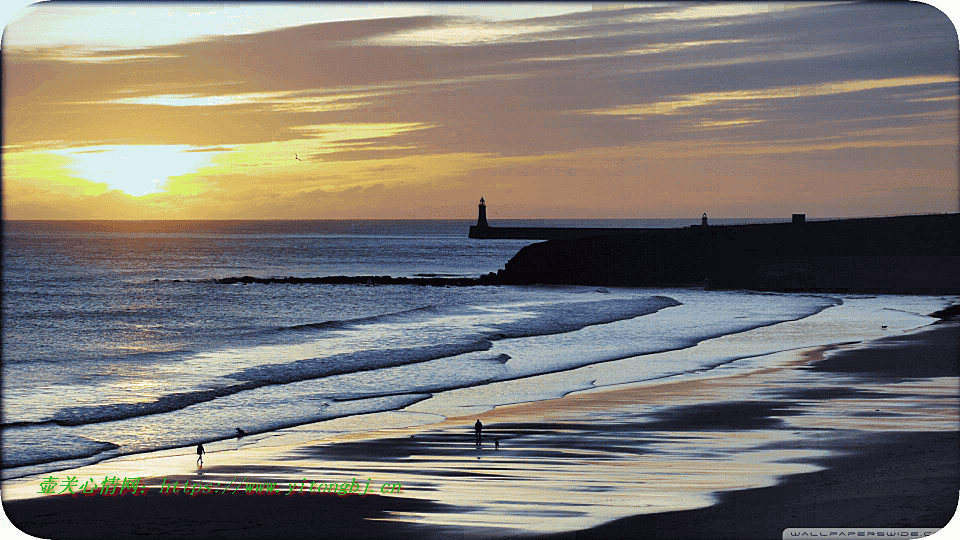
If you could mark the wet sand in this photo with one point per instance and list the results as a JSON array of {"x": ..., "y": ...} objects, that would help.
[
  {"x": 855, "y": 436},
  {"x": 900, "y": 480}
]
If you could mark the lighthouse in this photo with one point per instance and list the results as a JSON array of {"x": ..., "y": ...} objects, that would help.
[{"x": 482, "y": 219}]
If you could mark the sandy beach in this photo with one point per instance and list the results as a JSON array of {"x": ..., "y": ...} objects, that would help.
[{"x": 855, "y": 435}]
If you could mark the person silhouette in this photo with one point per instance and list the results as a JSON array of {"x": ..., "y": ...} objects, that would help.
[
  {"x": 478, "y": 427},
  {"x": 240, "y": 432},
  {"x": 200, "y": 453}
]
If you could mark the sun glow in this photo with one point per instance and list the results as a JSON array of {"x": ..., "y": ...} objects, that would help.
[{"x": 135, "y": 170}]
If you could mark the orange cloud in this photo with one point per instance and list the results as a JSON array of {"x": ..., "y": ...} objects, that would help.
[{"x": 419, "y": 116}]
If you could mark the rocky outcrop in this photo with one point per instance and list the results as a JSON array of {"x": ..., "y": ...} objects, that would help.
[
  {"x": 907, "y": 254},
  {"x": 487, "y": 279}
]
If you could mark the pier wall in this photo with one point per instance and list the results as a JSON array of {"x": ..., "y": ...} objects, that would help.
[{"x": 906, "y": 254}]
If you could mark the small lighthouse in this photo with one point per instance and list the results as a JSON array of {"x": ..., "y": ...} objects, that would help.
[{"x": 482, "y": 219}]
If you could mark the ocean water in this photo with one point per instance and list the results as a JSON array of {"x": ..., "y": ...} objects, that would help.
[{"x": 116, "y": 339}]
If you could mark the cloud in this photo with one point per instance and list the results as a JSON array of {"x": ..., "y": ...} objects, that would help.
[
  {"x": 212, "y": 149},
  {"x": 633, "y": 87}
]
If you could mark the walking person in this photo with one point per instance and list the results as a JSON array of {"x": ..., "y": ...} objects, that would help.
[
  {"x": 478, "y": 427},
  {"x": 200, "y": 453}
]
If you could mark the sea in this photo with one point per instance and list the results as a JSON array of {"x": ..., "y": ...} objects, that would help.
[{"x": 118, "y": 340}]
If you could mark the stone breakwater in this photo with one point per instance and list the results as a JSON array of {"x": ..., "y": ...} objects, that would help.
[
  {"x": 488, "y": 279},
  {"x": 906, "y": 254}
]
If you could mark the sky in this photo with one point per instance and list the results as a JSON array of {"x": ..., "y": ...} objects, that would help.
[{"x": 415, "y": 111}]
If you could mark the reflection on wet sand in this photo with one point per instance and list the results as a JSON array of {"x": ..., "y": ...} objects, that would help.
[{"x": 594, "y": 456}]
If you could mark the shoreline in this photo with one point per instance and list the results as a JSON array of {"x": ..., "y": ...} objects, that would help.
[
  {"x": 909, "y": 481},
  {"x": 593, "y": 432},
  {"x": 882, "y": 480}
]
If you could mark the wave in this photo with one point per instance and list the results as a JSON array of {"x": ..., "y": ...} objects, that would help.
[
  {"x": 375, "y": 379},
  {"x": 45, "y": 448},
  {"x": 346, "y": 324},
  {"x": 542, "y": 319},
  {"x": 51, "y": 445}
]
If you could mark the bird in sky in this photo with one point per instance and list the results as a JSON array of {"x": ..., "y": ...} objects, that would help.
[{"x": 298, "y": 158}]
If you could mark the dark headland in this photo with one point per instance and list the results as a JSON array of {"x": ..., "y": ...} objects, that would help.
[{"x": 904, "y": 254}]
